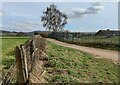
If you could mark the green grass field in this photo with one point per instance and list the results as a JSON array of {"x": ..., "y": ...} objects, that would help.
[
  {"x": 8, "y": 46},
  {"x": 70, "y": 65}
]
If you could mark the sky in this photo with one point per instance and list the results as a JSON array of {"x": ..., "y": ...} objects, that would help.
[{"x": 82, "y": 16}]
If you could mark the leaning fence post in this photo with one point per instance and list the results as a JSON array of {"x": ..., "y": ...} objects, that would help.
[
  {"x": 25, "y": 62},
  {"x": 20, "y": 76}
]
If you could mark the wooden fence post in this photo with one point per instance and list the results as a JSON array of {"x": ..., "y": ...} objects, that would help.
[
  {"x": 25, "y": 62},
  {"x": 20, "y": 76}
]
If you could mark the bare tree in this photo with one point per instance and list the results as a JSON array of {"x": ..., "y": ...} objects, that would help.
[{"x": 53, "y": 19}]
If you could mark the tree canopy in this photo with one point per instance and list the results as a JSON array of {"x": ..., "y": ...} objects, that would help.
[{"x": 53, "y": 19}]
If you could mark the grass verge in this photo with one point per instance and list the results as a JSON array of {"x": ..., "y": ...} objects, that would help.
[{"x": 70, "y": 65}]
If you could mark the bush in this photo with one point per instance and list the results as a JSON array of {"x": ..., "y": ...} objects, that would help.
[{"x": 45, "y": 34}]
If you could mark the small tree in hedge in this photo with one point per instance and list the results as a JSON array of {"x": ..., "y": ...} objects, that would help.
[{"x": 53, "y": 19}]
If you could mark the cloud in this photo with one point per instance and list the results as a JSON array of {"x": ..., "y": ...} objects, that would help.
[
  {"x": 96, "y": 4},
  {"x": 25, "y": 26},
  {"x": 26, "y": 23},
  {"x": 18, "y": 14},
  {"x": 81, "y": 12},
  {"x": 1, "y": 13}
]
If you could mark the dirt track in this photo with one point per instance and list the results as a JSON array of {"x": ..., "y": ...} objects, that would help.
[{"x": 109, "y": 54}]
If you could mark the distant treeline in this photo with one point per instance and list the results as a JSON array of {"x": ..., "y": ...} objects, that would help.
[{"x": 64, "y": 34}]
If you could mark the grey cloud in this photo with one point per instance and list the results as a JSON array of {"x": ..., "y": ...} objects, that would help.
[
  {"x": 96, "y": 4},
  {"x": 26, "y": 23},
  {"x": 81, "y": 12},
  {"x": 1, "y": 13},
  {"x": 26, "y": 26}
]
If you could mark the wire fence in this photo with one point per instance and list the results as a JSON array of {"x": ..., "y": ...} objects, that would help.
[
  {"x": 82, "y": 37},
  {"x": 87, "y": 39}
]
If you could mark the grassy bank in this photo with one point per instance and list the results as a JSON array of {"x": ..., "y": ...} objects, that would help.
[{"x": 70, "y": 65}]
